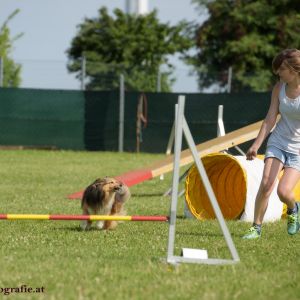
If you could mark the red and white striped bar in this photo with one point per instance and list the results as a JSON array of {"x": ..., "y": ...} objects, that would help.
[{"x": 82, "y": 217}]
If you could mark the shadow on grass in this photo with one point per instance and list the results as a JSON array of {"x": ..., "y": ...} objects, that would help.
[
  {"x": 78, "y": 229},
  {"x": 199, "y": 234},
  {"x": 147, "y": 195}
]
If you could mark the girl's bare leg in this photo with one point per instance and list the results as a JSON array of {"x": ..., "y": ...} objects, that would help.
[
  {"x": 271, "y": 170},
  {"x": 286, "y": 185}
]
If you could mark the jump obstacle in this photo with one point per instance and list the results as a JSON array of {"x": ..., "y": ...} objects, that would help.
[
  {"x": 181, "y": 128},
  {"x": 82, "y": 217}
]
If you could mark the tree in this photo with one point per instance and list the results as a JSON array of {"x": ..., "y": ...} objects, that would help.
[
  {"x": 135, "y": 46},
  {"x": 11, "y": 70},
  {"x": 244, "y": 35}
]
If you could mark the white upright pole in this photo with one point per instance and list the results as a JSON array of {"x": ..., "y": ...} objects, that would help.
[
  {"x": 177, "y": 150},
  {"x": 171, "y": 140},
  {"x": 221, "y": 129}
]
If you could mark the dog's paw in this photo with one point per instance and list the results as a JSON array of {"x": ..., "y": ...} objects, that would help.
[
  {"x": 110, "y": 225},
  {"x": 85, "y": 225},
  {"x": 99, "y": 224}
]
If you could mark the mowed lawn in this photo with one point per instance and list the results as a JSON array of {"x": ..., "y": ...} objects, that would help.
[{"x": 59, "y": 261}]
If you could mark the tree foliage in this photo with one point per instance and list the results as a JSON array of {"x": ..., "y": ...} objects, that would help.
[
  {"x": 11, "y": 70},
  {"x": 244, "y": 35},
  {"x": 136, "y": 46}
]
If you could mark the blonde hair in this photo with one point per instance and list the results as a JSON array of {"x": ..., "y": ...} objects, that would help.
[{"x": 290, "y": 57}]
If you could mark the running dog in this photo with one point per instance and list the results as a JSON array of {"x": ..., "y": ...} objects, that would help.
[{"x": 105, "y": 196}]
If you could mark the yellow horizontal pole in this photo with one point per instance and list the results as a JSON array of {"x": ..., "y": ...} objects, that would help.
[
  {"x": 82, "y": 217},
  {"x": 109, "y": 218},
  {"x": 27, "y": 217}
]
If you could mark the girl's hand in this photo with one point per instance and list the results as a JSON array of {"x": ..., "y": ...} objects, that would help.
[{"x": 251, "y": 153}]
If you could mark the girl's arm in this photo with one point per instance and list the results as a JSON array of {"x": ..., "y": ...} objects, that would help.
[{"x": 267, "y": 124}]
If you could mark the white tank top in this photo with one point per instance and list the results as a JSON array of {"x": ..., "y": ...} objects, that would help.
[{"x": 286, "y": 135}]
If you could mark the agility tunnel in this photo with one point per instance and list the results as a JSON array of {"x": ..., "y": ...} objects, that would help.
[
  {"x": 82, "y": 217},
  {"x": 235, "y": 182}
]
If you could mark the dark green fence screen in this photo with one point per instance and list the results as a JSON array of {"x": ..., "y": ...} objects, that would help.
[
  {"x": 42, "y": 118},
  {"x": 90, "y": 120}
]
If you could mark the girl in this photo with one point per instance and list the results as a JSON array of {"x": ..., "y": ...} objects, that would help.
[{"x": 283, "y": 147}]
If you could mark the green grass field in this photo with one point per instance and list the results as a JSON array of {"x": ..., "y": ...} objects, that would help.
[{"x": 127, "y": 263}]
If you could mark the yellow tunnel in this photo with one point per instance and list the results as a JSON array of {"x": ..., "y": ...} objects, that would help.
[{"x": 235, "y": 182}]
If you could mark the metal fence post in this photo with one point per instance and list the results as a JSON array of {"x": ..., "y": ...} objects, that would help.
[
  {"x": 1, "y": 71},
  {"x": 83, "y": 71},
  {"x": 229, "y": 80},
  {"x": 158, "y": 84},
  {"x": 121, "y": 114}
]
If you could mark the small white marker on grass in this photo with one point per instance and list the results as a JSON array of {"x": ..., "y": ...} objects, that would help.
[{"x": 194, "y": 253}]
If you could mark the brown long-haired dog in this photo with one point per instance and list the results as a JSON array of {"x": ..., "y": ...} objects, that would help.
[{"x": 105, "y": 196}]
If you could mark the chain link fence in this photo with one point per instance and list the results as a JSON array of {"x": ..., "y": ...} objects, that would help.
[{"x": 54, "y": 74}]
